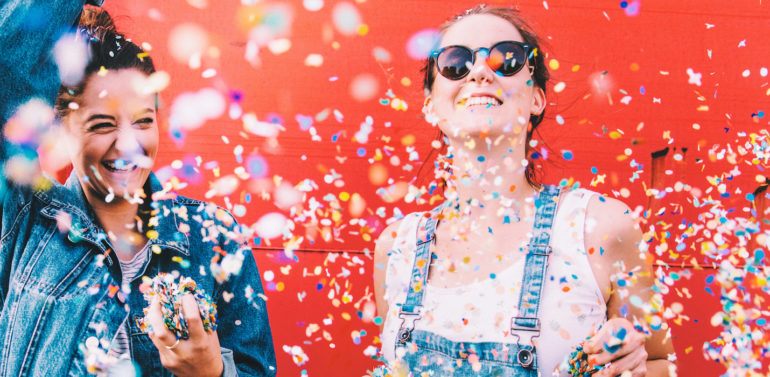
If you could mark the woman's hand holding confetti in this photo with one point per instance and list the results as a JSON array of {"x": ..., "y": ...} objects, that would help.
[
  {"x": 619, "y": 347},
  {"x": 197, "y": 356}
]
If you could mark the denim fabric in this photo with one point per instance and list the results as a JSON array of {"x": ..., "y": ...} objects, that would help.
[
  {"x": 59, "y": 288},
  {"x": 428, "y": 354},
  {"x": 433, "y": 355},
  {"x": 28, "y": 31}
]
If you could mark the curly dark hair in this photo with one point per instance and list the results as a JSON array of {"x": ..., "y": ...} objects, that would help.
[{"x": 107, "y": 48}]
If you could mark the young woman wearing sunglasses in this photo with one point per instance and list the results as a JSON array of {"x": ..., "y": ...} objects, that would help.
[
  {"x": 509, "y": 275},
  {"x": 74, "y": 257}
]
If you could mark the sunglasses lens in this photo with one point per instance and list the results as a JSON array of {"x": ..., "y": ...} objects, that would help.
[
  {"x": 454, "y": 62},
  {"x": 507, "y": 58}
]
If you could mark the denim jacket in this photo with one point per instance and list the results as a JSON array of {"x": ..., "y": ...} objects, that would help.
[{"x": 60, "y": 285}]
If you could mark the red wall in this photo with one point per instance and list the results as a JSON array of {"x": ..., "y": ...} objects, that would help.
[{"x": 643, "y": 57}]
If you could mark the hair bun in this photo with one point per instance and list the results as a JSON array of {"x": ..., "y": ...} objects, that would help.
[{"x": 94, "y": 18}]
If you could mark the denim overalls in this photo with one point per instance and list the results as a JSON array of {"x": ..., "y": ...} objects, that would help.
[{"x": 426, "y": 353}]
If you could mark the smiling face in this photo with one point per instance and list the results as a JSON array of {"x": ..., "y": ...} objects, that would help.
[
  {"x": 114, "y": 134},
  {"x": 484, "y": 103}
]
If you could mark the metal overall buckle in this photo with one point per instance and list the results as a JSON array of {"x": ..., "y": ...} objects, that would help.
[
  {"x": 525, "y": 357},
  {"x": 405, "y": 332},
  {"x": 533, "y": 248}
]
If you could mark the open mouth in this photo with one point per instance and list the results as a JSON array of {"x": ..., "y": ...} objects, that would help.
[
  {"x": 119, "y": 166},
  {"x": 486, "y": 101}
]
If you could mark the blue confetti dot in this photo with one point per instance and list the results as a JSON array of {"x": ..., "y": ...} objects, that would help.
[
  {"x": 567, "y": 155},
  {"x": 256, "y": 166},
  {"x": 361, "y": 152},
  {"x": 642, "y": 90},
  {"x": 760, "y": 114},
  {"x": 481, "y": 158},
  {"x": 750, "y": 197},
  {"x": 624, "y": 4},
  {"x": 594, "y": 170}
]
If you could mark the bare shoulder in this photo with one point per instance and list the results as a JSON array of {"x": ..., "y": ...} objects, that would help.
[
  {"x": 385, "y": 241},
  {"x": 614, "y": 231},
  {"x": 611, "y": 216}
]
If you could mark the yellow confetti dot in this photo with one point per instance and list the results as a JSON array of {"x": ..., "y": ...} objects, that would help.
[
  {"x": 467, "y": 260},
  {"x": 406, "y": 81},
  {"x": 152, "y": 234},
  {"x": 614, "y": 135},
  {"x": 634, "y": 67},
  {"x": 280, "y": 286},
  {"x": 553, "y": 64},
  {"x": 408, "y": 140},
  {"x": 345, "y": 316},
  {"x": 155, "y": 249},
  {"x": 575, "y": 68},
  {"x": 363, "y": 29},
  {"x": 344, "y": 196}
]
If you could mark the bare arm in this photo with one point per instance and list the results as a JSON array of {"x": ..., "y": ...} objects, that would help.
[
  {"x": 381, "y": 250},
  {"x": 628, "y": 265}
]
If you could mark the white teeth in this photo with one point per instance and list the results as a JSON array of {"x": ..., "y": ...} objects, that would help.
[
  {"x": 481, "y": 100},
  {"x": 123, "y": 166}
]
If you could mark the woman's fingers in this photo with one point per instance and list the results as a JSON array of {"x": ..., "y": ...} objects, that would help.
[
  {"x": 160, "y": 335},
  {"x": 193, "y": 317},
  {"x": 614, "y": 340},
  {"x": 633, "y": 363},
  {"x": 603, "y": 355}
]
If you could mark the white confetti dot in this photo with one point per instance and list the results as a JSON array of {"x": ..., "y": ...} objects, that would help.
[{"x": 313, "y": 5}]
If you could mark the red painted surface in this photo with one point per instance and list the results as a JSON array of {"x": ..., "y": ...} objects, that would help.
[{"x": 645, "y": 57}]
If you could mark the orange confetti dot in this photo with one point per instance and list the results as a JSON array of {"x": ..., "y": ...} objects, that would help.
[{"x": 378, "y": 174}]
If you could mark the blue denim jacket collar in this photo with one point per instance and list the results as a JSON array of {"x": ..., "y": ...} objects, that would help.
[{"x": 72, "y": 201}]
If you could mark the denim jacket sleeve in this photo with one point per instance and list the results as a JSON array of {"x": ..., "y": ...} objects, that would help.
[
  {"x": 243, "y": 328},
  {"x": 15, "y": 202},
  {"x": 29, "y": 31}
]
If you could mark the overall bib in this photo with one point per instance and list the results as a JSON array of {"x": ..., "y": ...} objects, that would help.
[{"x": 429, "y": 354}]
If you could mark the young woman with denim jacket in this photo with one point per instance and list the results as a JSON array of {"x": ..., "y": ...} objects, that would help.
[
  {"x": 508, "y": 275},
  {"x": 65, "y": 303}
]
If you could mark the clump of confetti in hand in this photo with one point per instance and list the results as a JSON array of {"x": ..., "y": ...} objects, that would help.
[
  {"x": 578, "y": 364},
  {"x": 169, "y": 295}
]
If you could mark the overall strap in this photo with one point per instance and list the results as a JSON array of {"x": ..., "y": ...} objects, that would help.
[
  {"x": 411, "y": 309},
  {"x": 537, "y": 262}
]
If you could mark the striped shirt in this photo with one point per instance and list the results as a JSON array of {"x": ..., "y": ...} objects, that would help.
[{"x": 130, "y": 269}]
